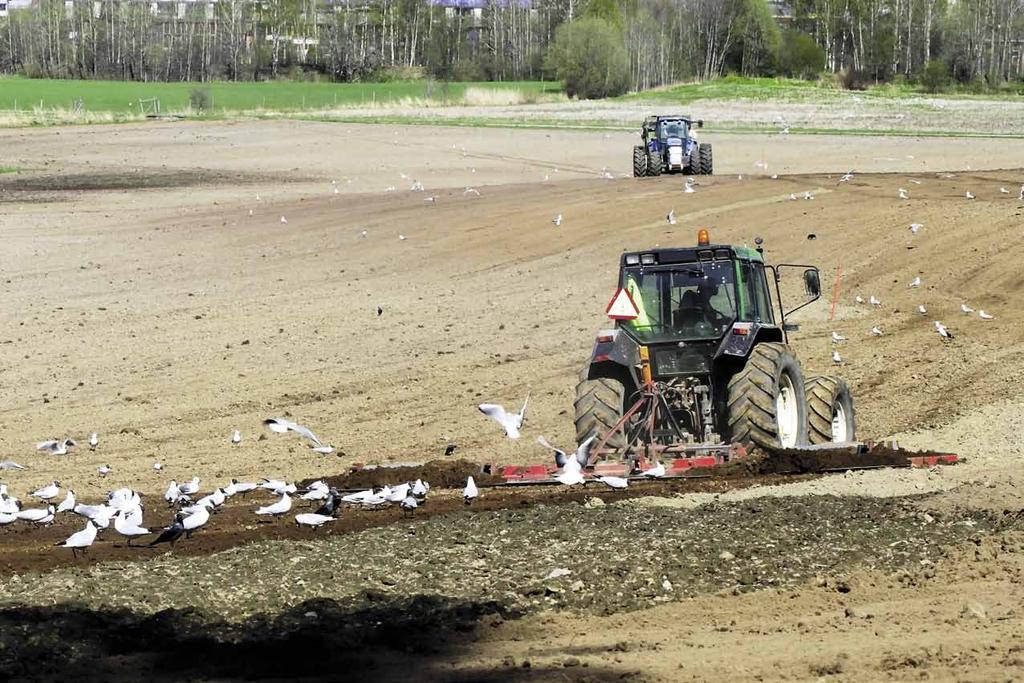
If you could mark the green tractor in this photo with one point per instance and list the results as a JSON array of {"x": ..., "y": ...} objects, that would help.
[{"x": 699, "y": 361}]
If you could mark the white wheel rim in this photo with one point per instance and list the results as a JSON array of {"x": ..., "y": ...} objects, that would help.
[
  {"x": 839, "y": 425},
  {"x": 786, "y": 412}
]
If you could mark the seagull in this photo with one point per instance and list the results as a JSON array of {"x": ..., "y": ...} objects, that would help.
[
  {"x": 198, "y": 515},
  {"x": 80, "y": 540},
  {"x": 104, "y": 470},
  {"x": 396, "y": 494},
  {"x": 511, "y": 422},
  {"x": 322, "y": 450},
  {"x": 859, "y": 299},
  {"x": 472, "y": 190},
  {"x": 784, "y": 131},
  {"x": 941, "y": 329},
  {"x": 215, "y": 499},
  {"x": 915, "y": 228},
  {"x": 836, "y": 358},
  {"x": 281, "y": 425},
  {"x": 557, "y": 220},
  {"x": 966, "y": 309},
  {"x": 430, "y": 200},
  {"x": 94, "y": 440},
  {"x": 279, "y": 508},
  {"x": 189, "y": 488},
  {"x": 985, "y": 316},
  {"x": 409, "y": 505},
  {"x": 792, "y": 196},
  {"x": 317, "y": 492},
  {"x": 837, "y": 338},
  {"x": 278, "y": 487},
  {"x": 363, "y": 233},
  {"x": 450, "y": 449},
  {"x": 470, "y": 492},
  {"x": 36, "y": 515},
  {"x": 56, "y": 447},
  {"x": 68, "y": 504},
  {"x": 671, "y": 217},
  {"x": 877, "y": 331},
  {"x": 873, "y": 301},
  {"x": 283, "y": 219},
  {"x": 808, "y": 195},
  {"x": 968, "y": 195},
  {"x": 99, "y": 514},
  {"x": 1020, "y": 197},
  {"x": 1003, "y": 190},
  {"x": 571, "y": 474},
  {"x": 688, "y": 187},
  {"x": 916, "y": 282},
  {"x": 656, "y": 472},
  {"x": 157, "y": 466},
  {"x": 48, "y": 492},
  {"x": 236, "y": 487},
  {"x": 128, "y": 527},
  {"x": 614, "y": 482},
  {"x": 313, "y": 520},
  {"x": 236, "y": 437},
  {"x": 580, "y": 457},
  {"x": 11, "y": 465},
  {"x": 903, "y": 194},
  {"x": 7, "y": 518},
  {"x": 419, "y": 490},
  {"x": 921, "y": 309},
  {"x": 172, "y": 493},
  {"x": 402, "y": 237},
  {"x": 172, "y": 533},
  {"x": 846, "y": 177}
]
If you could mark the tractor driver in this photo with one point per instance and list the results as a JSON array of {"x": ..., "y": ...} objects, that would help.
[{"x": 697, "y": 315}]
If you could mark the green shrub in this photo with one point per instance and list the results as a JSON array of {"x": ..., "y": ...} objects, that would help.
[
  {"x": 199, "y": 99},
  {"x": 800, "y": 56},
  {"x": 588, "y": 56}
]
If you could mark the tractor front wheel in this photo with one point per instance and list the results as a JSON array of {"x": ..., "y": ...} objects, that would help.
[
  {"x": 766, "y": 404},
  {"x": 830, "y": 415},
  {"x": 598, "y": 407},
  {"x": 706, "y": 161},
  {"x": 639, "y": 161}
]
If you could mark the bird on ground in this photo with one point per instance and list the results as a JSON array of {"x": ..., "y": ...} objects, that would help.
[
  {"x": 792, "y": 196},
  {"x": 409, "y": 505},
  {"x": 858, "y": 299},
  {"x": 279, "y": 487},
  {"x": 312, "y": 520},
  {"x": 470, "y": 492},
  {"x": 36, "y": 515},
  {"x": 472, "y": 190},
  {"x": 236, "y": 487},
  {"x": 837, "y": 338},
  {"x": 511, "y": 422},
  {"x": 671, "y": 217},
  {"x": 985, "y": 316},
  {"x": 316, "y": 491},
  {"x": 836, "y": 358},
  {"x": 99, "y": 514},
  {"x": 557, "y": 221},
  {"x": 363, "y": 234},
  {"x": 808, "y": 195},
  {"x": 157, "y": 466},
  {"x": 614, "y": 482},
  {"x": 943, "y": 332},
  {"x": 68, "y": 504},
  {"x": 915, "y": 228},
  {"x": 283, "y": 219},
  {"x": 80, "y": 540},
  {"x": 903, "y": 194},
  {"x": 968, "y": 195},
  {"x": 1003, "y": 190},
  {"x": 172, "y": 533},
  {"x": 11, "y": 465},
  {"x": 322, "y": 450},
  {"x": 94, "y": 440},
  {"x": 656, "y": 472},
  {"x": 104, "y": 470},
  {"x": 213, "y": 500},
  {"x": 1020, "y": 197},
  {"x": 921, "y": 309},
  {"x": 190, "y": 487},
  {"x": 916, "y": 282},
  {"x": 173, "y": 493},
  {"x": 8, "y": 505},
  {"x": 877, "y": 331},
  {"x": 128, "y": 527},
  {"x": 847, "y": 177},
  {"x": 124, "y": 499},
  {"x": 236, "y": 437},
  {"x": 419, "y": 490},
  {"x": 571, "y": 474},
  {"x": 276, "y": 509},
  {"x": 8, "y": 518},
  {"x": 966, "y": 309},
  {"x": 196, "y": 517},
  {"x": 396, "y": 494},
  {"x": 581, "y": 456},
  {"x": 48, "y": 492},
  {"x": 450, "y": 449},
  {"x": 688, "y": 187},
  {"x": 430, "y": 200},
  {"x": 57, "y": 446},
  {"x": 873, "y": 301}
]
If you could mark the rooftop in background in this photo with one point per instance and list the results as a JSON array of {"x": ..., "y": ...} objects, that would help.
[{"x": 479, "y": 4}]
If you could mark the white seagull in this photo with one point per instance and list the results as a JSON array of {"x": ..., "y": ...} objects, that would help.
[
  {"x": 48, "y": 492},
  {"x": 94, "y": 440},
  {"x": 409, "y": 504},
  {"x": 921, "y": 309},
  {"x": 278, "y": 487},
  {"x": 966, "y": 309},
  {"x": 656, "y": 472},
  {"x": 511, "y": 422},
  {"x": 614, "y": 482},
  {"x": 877, "y": 331},
  {"x": 471, "y": 491},
  {"x": 985, "y": 316},
  {"x": 11, "y": 465},
  {"x": 836, "y": 358},
  {"x": 903, "y": 194},
  {"x": 190, "y": 487},
  {"x": 941, "y": 329},
  {"x": 557, "y": 221},
  {"x": 198, "y": 515},
  {"x": 968, "y": 195},
  {"x": 915, "y": 227},
  {"x": 858, "y": 299},
  {"x": 580, "y": 457},
  {"x": 68, "y": 504},
  {"x": 281, "y": 425},
  {"x": 36, "y": 515},
  {"x": 104, "y": 470},
  {"x": 312, "y": 520},
  {"x": 172, "y": 493},
  {"x": 873, "y": 301},
  {"x": 80, "y": 540},
  {"x": 837, "y": 338},
  {"x": 671, "y": 217},
  {"x": 236, "y": 437},
  {"x": 916, "y": 282},
  {"x": 129, "y": 527},
  {"x": 1003, "y": 190},
  {"x": 688, "y": 187},
  {"x": 279, "y": 508},
  {"x": 57, "y": 446}
]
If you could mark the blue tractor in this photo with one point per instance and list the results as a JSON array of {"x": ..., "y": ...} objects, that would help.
[{"x": 670, "y": 147}]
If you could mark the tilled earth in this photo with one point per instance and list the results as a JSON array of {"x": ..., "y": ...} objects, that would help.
[{"x": 392, "y": 587}]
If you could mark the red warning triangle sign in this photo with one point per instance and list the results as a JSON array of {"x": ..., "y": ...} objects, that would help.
[{"x": 622, "y": 306}]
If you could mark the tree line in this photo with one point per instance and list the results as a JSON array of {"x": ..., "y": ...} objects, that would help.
[{"x": 598, "y": 47}]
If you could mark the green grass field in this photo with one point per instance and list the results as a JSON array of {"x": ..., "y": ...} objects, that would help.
[{"x": 123, "y": 97}]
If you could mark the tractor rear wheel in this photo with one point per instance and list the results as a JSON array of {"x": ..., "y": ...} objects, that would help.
[
  {"x": 598, "y": 406},
  {"x": 830, "y": 415},
  {"x": 766, "y": 405},
  {"x": 706, "y": 161},
  {"x": 654, "y": 165},
  {"x": 639, "y": 161}
]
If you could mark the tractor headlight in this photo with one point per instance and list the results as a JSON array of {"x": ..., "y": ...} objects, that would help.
[
  {"x": 632, "y": 260},
  {"x": 648, "y": 259}
]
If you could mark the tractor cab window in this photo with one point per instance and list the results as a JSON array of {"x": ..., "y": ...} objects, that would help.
[
  {"x": 757, "y": 304},
  {"x": 672, "y": 129},
  {"x": 687, "y": 301}
]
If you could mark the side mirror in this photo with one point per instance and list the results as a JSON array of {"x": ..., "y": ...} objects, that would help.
[
  {"x": 700, "y": 123},
  {"x": 812, "y": 283}
]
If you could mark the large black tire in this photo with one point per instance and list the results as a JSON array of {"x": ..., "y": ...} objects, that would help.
[
  {"x": 639, "y": 161},
  {"x": 598, "y": 406},
  {"x": 693, "y": 163},
  {"x": 751, "y": 415},
  {"x": 827, "y": 398},
  {"x": 655, "y": 165},
  {"x": 706, "y": 160}
]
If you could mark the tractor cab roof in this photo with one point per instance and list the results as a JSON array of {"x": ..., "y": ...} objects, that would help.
[{"x": 672, "y": 255}]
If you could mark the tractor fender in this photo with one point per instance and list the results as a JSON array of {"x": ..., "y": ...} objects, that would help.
[
  {"x": 743, "y": 336},
  {"x": 615, "y": 347}
]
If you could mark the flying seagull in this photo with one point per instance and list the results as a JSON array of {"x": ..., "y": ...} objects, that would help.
[
  {"x": 581, "y": 456},
  {"x": 512, "y": 422},
  {"x": 281, "y": 425}
]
